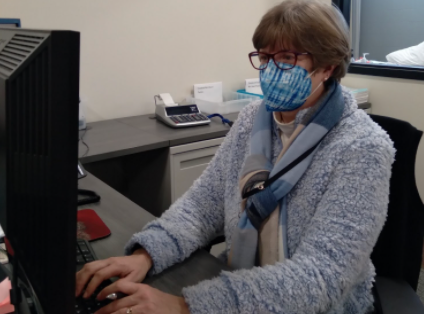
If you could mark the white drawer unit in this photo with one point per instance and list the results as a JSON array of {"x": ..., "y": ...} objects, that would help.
[{"x": 187, "y": 162}]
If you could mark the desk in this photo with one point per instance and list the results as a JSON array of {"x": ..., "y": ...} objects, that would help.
[
  {"x": 124, "y": 218},
  {"x": 132, "y": 155},
  {"x": 125, "y": 136}
]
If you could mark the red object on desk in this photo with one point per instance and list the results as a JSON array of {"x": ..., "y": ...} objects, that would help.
[
  {"x": 5, "y": 306},
  {"x": 90, "y": 226},
  {"x": 9, "y": 248}
]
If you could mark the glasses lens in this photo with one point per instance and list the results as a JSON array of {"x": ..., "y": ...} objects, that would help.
[
  {"x": 285, "y": 60},
  {"x": 259, "y": 60}
]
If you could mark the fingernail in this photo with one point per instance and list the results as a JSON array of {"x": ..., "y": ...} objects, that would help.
[{"x": 85, "y": 296}]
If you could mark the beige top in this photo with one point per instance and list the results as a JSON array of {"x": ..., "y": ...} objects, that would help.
[{"x": 286, "y": 129}]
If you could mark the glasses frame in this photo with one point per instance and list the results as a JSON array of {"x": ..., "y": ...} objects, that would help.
[{"x": 272, "y": 55}]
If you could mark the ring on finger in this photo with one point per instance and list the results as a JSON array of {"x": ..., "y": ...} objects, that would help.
[{"x": 129, "y": 311}]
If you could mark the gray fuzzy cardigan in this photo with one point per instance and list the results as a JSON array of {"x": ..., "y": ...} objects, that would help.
[{"x": 335, "y": 214}]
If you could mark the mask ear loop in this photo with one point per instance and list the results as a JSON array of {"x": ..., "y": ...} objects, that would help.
[{"x": 319, "y": 85}]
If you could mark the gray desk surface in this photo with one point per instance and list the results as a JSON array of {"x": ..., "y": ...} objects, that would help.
[
  {"x": 113, "y": 138},
  {"x": 179, "y": 136},
  {"x": 110, "y": 139},
  {"x": 124, "y": 218}
]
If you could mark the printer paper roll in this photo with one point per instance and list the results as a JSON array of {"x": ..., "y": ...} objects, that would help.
[{"x": 167, "y": 99}]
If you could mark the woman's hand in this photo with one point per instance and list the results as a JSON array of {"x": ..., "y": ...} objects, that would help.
[
  {"x": 141, "y": 299},
  {"x": 129, "y": 268}
]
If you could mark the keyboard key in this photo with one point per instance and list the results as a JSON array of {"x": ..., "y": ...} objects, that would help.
[
  {"x": 80, "y": 260},
  {"x": 84, "y": 249}
]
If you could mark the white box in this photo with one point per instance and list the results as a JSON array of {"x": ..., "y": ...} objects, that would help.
[{"x": 233, "y": 102}]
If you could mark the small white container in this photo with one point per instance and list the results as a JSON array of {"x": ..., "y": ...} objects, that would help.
[{"x": 233, "y": 102}]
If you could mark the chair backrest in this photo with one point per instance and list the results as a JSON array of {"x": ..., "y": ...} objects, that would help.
[{"x": 398, "y": 251}]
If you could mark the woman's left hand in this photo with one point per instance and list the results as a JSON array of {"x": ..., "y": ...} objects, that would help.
[{"x": 141, "y": 299}]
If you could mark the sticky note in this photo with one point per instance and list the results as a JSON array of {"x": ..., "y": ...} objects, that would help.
[
  {"x": 210, "y": 92},
  {"x": 5, "y": 305},
  {"x": 253, "y": 86}
]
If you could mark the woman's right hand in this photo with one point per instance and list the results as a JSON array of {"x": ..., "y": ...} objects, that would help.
[{"x": 131, "y": 268}]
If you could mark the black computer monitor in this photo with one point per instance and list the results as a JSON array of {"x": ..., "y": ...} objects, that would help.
[{"x": 39, "y": 96}]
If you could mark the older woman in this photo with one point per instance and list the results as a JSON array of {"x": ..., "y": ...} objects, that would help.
[{"x": 299, "y": 186}]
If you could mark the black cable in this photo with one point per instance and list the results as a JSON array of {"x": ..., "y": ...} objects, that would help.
[
  {"x": 85, "y": 144},
  {"x": 89, "y": 197}
]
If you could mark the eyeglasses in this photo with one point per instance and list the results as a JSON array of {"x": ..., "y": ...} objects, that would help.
[{"x": 284, "y": 60}]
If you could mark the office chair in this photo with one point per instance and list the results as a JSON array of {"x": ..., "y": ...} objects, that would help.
[{"x": 398, "y": 251}]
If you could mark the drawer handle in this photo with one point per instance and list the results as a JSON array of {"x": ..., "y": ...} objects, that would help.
[{"x": 195, "y": 162}]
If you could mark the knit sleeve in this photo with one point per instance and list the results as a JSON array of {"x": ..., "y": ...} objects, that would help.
[
  {"x": 332, "y": 254},
  {"x": 194, "y": 219}
]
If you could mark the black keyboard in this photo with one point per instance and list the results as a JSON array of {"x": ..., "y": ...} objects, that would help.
[{"x": 85, "y": 254}]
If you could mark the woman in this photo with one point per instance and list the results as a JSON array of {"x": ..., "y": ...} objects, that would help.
[{"x": 311, "y": 228}]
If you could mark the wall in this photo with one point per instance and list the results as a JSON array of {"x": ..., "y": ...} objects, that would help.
[
  {"x": 397, "y": 98},
  {"x": 132, "y": 50},
  {"x": 390, "y": 25}
]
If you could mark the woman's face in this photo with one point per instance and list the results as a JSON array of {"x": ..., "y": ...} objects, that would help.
[{"x": 305, "y": 61}]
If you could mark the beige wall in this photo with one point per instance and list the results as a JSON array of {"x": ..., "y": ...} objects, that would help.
[
  {"x": 397, "y": 98},
  {"x": 134, "y": 49}
]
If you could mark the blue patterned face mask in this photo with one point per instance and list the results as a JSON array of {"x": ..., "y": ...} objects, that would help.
[{"x": 285, "y": 90}]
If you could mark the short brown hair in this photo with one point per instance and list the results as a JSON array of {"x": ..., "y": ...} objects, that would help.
[{"x": 309, "y": 26}]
